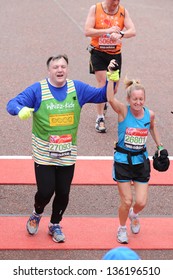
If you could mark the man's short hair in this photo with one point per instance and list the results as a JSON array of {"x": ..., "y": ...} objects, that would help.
[{"x": 59, "y": 56}]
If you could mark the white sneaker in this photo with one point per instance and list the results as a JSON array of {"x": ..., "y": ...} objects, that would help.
[
  {"x": 100, "y": 125},
  {"x": 135, "y": 224},
  {"x": 122, "y": 236}
]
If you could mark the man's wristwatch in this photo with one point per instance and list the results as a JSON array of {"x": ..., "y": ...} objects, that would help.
[{"x": 122, "y": 33}]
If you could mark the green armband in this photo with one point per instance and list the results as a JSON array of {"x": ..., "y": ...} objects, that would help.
[{"x": 160, "y": 147}]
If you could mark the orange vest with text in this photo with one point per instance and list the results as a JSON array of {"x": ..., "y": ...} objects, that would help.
[{"x": 103, "y": 21}]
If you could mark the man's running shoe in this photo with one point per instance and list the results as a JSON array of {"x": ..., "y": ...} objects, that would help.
[
  {"x": 56, "y": 232},
  {"x": 105, "y": 109},
  {"x": 33, "y": 223},
  {"x": 100, "y": 125},
  {"x": 134, "y": 225},
  {"x": 122, "y": 236}
]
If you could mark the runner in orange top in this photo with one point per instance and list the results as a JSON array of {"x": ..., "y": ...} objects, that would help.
[{"x": 107, "y": 24}]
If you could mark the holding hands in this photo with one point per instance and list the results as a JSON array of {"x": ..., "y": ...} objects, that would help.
[{"x": 113, "y": 71}]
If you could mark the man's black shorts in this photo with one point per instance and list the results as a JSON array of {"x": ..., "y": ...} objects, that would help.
[
  {"x": 100, "y": 60},
  {"x": 138, "y": 172}
]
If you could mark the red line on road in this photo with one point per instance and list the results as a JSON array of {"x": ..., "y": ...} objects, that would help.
[
  {"x": 87, "y": 172},
  {"x": 85, "y": 233}
]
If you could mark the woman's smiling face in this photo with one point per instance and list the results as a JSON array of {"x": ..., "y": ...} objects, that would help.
[{"x": 136, "y": 99}]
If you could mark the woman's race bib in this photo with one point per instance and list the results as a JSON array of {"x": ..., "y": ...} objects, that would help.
[{"x": 135, "y": 138}]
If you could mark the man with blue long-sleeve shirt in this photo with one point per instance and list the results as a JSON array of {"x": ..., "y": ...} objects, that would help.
[{"x": 55, "y": 104}]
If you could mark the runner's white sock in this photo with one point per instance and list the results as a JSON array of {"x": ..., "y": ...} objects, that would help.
[
  {"x": 123, "y": 227},
  {"x": 132, "y": 214}
]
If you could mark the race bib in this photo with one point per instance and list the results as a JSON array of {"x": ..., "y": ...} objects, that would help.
[
  {"x": 60, "y": 146},
  {"x": 105, "y": 42},
  {"x": 135, "y": 138}
]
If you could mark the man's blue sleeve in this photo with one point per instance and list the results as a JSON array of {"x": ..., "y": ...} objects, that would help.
[
  {"x": 90, "y": 94},
  {"x": 30, "y": 97}
]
